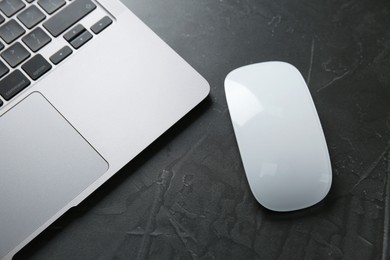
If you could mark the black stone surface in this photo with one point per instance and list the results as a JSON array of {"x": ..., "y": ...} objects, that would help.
[{"x": 187, "y": 197}]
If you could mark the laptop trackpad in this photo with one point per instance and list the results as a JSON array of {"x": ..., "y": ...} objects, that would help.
[{"x": 44, "y": 164}]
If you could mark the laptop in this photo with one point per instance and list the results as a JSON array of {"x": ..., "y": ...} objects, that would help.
[{"x": 85, "y": 86}]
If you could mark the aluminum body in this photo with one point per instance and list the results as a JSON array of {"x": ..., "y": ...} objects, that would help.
[{"x": 120, "y": 92}]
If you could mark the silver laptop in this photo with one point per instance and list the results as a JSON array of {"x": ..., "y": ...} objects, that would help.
[{"x": 84, "y": 87}]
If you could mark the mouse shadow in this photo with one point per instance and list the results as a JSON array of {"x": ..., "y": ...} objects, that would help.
[
  {"x": 75, "y": 213},
  {"x": 316, "y": 211}
]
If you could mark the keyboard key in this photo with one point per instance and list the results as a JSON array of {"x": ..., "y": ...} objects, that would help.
[
  {"x": 1, "y": 102},
  {"x": 12, "y": 84},
  {"x": 50, "y": 6},
  {"x": 3, "y": 69},
  {"x": 31, "y": 16},
  {"x": 1, "y": 46},
  {"x": 15, "y": 54},
  {"x": 11, "y": 7},
  {"x": 68, "y": 16},
  {"x": 61, "y": 55},
  {"x": 36, "y": 39},
  {"x": 10, "y": 31},
  {"x": 75, "y": 31},
  {"x": 101, "y": 24},
  {"x": 2, "y": 19},
  {"x": 81, "y": 39},
  {"x": 36, "y": 67}
]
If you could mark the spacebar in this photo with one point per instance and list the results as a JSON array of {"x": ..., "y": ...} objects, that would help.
[{"x": 68, "y": 16}]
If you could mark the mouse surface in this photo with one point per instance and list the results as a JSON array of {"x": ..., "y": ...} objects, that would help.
[{"x": 279, "y": 135}]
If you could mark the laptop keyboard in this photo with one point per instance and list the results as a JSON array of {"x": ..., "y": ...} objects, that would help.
[{"x": 27, "y": 26}]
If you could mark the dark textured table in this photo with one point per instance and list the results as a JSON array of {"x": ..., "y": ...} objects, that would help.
[{"x": 187, "y": 197}]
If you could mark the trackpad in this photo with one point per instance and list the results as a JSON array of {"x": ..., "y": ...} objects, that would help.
[{"x": 44, "y": 164}]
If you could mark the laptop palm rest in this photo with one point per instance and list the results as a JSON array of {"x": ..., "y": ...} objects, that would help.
[{"x": 44, "y": 164}]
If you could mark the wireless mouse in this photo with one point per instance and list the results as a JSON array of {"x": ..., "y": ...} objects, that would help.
[{"x": 279, "y": 135}]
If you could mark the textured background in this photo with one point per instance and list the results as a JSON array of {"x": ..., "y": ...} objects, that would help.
[{"x": 187, "y": 197}]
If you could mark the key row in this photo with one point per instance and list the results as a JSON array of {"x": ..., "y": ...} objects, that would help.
[
  {"x": 37, "y": 66},
  {"x": 11, "y": 7},
  {"x": 37, "y": 39},
  {"x": 32, "y": 16},
  {"x": 16, "y": 81}
]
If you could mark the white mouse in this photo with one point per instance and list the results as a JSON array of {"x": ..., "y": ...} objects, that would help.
[{"x": 279, "y": 135}]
